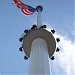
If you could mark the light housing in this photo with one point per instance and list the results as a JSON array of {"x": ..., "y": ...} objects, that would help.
[
  {"x": 20, "y": 49},
  {"x": 33, "y": 27},
  {"x": 52, "y": 58},
  {"x": 57, "y": 50},
  {"x": 26, "y": 31},
  {"x": 25, "y": 57},
  {"x": 20, "y": 39},
  {"x": 44, "y": 26},
  {"x": 53, "y": 31},
  {"x": 57, "y": 39}
]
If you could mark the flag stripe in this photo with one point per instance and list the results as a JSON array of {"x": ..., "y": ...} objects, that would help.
[
  {"x": 26, "y": 13},
  {"x": 26, "y": 9}
]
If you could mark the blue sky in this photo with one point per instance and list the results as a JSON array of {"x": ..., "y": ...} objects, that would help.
[{"x": 57, "y": 14}]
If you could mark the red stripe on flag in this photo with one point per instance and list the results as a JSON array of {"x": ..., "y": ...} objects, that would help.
[
  {"x": 23, "y": 7},
  {"x": 24, "y": 11}
]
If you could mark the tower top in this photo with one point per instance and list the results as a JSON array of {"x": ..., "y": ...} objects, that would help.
[
  {"x": 39, "y": 8},
  {"x": 39, "y": 33}
]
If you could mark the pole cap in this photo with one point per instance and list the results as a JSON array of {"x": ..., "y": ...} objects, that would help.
[{"x": 39, "y": 8}]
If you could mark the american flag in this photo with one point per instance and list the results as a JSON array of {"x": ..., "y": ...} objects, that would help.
[{"x": 25, "y": 9}]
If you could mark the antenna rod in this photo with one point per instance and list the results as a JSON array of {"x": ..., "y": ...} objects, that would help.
[{"x": 39, "y": 19}]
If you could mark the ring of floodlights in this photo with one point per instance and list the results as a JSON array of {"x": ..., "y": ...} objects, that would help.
[{"x": 39, "y": 33}]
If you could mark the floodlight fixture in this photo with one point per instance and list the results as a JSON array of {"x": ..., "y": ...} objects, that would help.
[
  {"x": 26, "y": 31},
  {"x": 44, "y": 26},
  {"x": 20, "y": 39},
  {"x": 52, "y": 58},
  {"x": 25, "y": 57},
  {"x": 57, "y": 39},
  {"x": 20, "y": 49},
  {"x": 33, "y": 27},
  {"x": 57, "y": 50},
  {"x": 53, "y": 31}
]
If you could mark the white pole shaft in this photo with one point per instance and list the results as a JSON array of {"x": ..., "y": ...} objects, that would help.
[
  {"x": 39, "y": 19},
  {"x": 39, "y": 63}
]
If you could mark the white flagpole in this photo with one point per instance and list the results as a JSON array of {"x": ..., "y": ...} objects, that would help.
[
  {"x": 39, "y": 19},
  {"x": 39, "y": 63}
]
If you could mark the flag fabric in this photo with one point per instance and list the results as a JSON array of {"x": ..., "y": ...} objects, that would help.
[{"x": 25, "y": 9}]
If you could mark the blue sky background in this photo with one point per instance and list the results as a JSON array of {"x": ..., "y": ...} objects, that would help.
[{"x": 57, "y": 14}]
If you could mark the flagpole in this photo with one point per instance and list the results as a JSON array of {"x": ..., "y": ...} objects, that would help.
[{"x": 39, "y": 19}]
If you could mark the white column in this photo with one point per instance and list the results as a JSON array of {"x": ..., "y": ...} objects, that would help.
[
  {"x": 38, "y": 62},
  {"x": 39, "y": 19}
]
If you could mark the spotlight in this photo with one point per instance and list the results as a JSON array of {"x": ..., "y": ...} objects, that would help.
[
  {"x": 52, "y": 58},
  {"x": 20, "y": 39},
  {"x": 57, "y": 39},
  {"x": 34, "y": 26},
  {"x": 53, "y": 31},
  {"x": 44, "y": 26},
  {"x": 25, "y": 58},
  {"x": 26, "y": 31},
  {"x": 20, "y": 49},
  {"x": 57, "y": 50}
]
